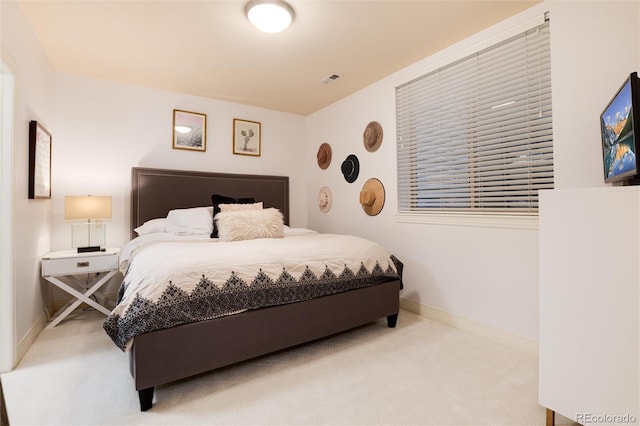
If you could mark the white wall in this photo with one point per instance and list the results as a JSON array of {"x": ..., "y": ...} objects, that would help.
[
  {"x": 105, "y": 128},
  {"x": 488, "y": 275},
  {"x": 101, "y": 129},
  {"x": 34, "y": 100},
  {"x": 595, "y": 45}
]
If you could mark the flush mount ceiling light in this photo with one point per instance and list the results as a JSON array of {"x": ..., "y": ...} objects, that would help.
[{"x": 269, "y": 16}]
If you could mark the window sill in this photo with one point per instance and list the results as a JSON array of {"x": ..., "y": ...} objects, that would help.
[{"x": 482, "y": 220}]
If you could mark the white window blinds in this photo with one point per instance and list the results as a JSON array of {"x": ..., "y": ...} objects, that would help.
[{"x": 476, "y": 135}]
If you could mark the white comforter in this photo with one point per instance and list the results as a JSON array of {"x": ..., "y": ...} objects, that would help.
[{"x": 153, "y": 264}]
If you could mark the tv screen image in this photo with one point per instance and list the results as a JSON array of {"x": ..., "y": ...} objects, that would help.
[{"x": 618, "y": 133}]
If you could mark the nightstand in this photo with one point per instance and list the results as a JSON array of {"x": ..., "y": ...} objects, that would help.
[{"x": 68, "y": 264}]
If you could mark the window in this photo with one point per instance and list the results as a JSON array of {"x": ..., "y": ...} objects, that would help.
[{"x": 476, "y": 136}]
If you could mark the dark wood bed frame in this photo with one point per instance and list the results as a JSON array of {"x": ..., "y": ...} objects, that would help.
[{"x": 171, "y": 354}]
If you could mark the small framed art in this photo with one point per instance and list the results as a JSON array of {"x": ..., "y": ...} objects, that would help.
[
  {"x": 39, "y": 161},
  {"x": 189, "y": 130},
  {"x": 246, "y": 137}
]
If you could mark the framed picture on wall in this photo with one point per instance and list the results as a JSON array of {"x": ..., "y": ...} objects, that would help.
[
  {"x": 189, "y": 130},
  {"x": 39, "y": 161},
  {"x": 246, "y": 137}
]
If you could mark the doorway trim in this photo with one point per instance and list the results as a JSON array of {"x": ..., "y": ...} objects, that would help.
[{"x": 8, "y": 345}]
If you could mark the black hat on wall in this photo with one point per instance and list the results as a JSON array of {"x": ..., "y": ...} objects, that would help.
[{"x": 351, "y": 168}]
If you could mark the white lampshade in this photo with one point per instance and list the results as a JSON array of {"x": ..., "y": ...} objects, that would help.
[
  {"x": 269, "y": 16},
  {"x": 88, "y": 236},
  {"x": 87, "y": 207}
]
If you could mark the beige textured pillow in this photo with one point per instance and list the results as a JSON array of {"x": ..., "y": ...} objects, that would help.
[
  {"x": 239, "y": 207},
  {"x": 250, "y": 224}
]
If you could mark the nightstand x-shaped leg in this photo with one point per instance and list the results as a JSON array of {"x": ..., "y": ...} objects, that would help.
[{"x": 81, "y": 297}]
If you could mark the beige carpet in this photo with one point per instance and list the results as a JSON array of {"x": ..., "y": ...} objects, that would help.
[{"x": 421, "y": 372}]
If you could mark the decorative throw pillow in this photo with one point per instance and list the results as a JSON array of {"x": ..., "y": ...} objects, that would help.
[
  {"x": 250, "y": 224},
  {"x": 193, "y": 221},
  {"x": 151, "y": 226},
  {"x": 217, "y": 199}
]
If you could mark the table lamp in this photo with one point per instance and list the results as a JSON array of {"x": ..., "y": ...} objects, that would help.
[{"x": 89, "y": 236}]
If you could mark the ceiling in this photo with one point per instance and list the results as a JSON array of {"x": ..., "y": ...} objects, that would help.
[{"x": 208, "y": 48}]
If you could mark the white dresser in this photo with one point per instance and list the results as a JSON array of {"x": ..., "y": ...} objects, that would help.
[{"x": 589, "y": 302}]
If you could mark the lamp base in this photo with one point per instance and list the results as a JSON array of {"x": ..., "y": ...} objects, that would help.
[
  {"x": 88, "y": 237},
  {"x": 88, "y": 249}
]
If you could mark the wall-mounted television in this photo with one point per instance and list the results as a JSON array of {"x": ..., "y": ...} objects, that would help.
[{"x": 620, "y": 128}]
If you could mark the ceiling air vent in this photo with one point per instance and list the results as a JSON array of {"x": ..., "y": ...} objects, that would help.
[{"x": 330, "y": 78}]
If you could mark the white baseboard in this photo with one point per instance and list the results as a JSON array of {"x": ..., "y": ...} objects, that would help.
[
  {"x": 31, "y": 336},
  {"x": 479, "y": 329}
]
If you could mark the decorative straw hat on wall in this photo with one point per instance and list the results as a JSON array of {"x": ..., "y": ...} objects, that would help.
[
  {"x": 325, "y": 199},
  {"x": 372, "y": 197},
  {"x": 324, "y": 156},
  {"x": 372, "y": 136}
]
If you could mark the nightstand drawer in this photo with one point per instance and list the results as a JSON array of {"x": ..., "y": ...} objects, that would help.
[{"x": 79, "y": 265}]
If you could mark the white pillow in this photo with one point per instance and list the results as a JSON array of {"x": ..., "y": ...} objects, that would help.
[
  {"x": 290, "y": 232},
  {"x": 239, "y": 207},
  {"x": 250, "y": 224},
  {"x": 151, "y": 227},
  {"x": 193, "y": 221}
]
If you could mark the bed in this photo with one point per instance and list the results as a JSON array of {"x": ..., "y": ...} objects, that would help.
[{"x": 170, "y": 352}]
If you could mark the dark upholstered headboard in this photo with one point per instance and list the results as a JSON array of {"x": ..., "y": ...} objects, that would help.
[{"x": 156, "y": 191}]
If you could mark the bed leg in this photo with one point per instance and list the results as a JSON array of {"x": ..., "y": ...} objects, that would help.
[
  {"x": 392, "y": 320},
  {"x": 146, "y": 398}
]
